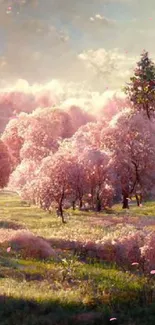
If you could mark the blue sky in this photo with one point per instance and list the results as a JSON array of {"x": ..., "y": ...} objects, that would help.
[{"x": 67, "y": 39}]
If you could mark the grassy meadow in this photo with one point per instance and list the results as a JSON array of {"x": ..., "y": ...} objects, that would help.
[{"x": 71, "y": 288}]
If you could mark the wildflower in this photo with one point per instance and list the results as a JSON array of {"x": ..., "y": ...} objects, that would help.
[
  {"x": 152, "y": 272},
  {"x": 8, "y": 249},
  {"x": 113, "y": 318}
]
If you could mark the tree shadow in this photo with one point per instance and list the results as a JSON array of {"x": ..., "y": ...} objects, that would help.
[
  {"x": 16, "y": 311},
  {"x": 63, "y": 244},
  {"x": 10, "y": 225}
]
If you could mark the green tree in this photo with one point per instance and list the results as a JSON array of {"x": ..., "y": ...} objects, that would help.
[{"x": 141, "y": 89}]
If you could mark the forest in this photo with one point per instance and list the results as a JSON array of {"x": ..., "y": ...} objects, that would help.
[
  {"x": 77, "y": 207},
  {"x": 57, "y": 158}
]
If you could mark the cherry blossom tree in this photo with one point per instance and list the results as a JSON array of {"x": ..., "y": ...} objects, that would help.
[
  {"x": 56, "y": 171},
  {"x": 5, "y": 165},
  {"x": 23, "y": 174},
  {"x": 79, "y": 117},
  {"x": 77, "y": 176},
  {"x": 44, "y": 133},
  {"x": 13, "y": 141},
  {"x": 96, "y": 166},
  {"x": 33, "y": 136},
  {"x": 114, "y": 106},
  {"x": 131, "y": 140},
  {"x": 87, "y": 136}
]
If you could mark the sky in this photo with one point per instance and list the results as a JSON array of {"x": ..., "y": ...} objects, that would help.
[{"x": 94, "y": 44}]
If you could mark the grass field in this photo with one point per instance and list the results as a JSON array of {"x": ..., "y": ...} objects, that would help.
[{"x": 71, "y": 289}]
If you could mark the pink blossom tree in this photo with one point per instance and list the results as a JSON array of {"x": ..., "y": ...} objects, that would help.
[
  {"x": 77, "y": 176},
  {"x": 131, "y": 140},
  {"x": 55, "y": 171},
  {"x": 5, "y": 165},
  {"x": 114, "y": 106},
  {"x": 96, "y": 166},
  {"x": 79, "y": 117},
  {"x": 44, "y": 133},
  {"x": 13, "y": 141},
  {"x": 23, "y": 174}
]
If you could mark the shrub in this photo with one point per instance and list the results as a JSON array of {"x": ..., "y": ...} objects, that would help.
[
  {"x": 31, "y": 246},
  {"x": 148, "y": 252}
]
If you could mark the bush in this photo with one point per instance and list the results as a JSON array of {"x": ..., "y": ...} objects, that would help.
[
  {"x": 31, "y": 246},
  {"x": 148, "y": 252}
]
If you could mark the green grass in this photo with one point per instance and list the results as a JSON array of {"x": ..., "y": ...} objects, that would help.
[
  {"x": 147, "y": 209},
  {"x": 55, "y": 292}
]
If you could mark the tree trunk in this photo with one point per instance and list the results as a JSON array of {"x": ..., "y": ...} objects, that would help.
[
  {"x": 147, "y": 111},
  {"x": 140, "y": 198},
  {"x": 98, "y": 204},
  {"x": 137, "y": 200},
  {"x": 73, "y": 205},
  {"x": 125, "y": 201},
  {"x": 81, "y": 203},
  {"x": 60, "y": 207},
  {"x": 61, "y": 213},
  {"x": 92, "y": 198}
]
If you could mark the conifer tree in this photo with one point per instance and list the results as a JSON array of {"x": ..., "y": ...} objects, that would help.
[{"x": 141, "y": 89}]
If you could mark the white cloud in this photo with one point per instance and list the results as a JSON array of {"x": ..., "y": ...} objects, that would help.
[
  {"x": 98, "y": 19},
  {"x": 37, "y": 50},
  {"x": 111, "y": 66}
]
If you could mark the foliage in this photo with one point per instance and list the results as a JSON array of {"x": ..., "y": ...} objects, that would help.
[
  {"x": 141, "y": 90},
  {"x": 68, "y": 156}
]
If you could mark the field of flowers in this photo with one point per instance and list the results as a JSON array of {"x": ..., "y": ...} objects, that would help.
[{"x": 98, "y": 268}]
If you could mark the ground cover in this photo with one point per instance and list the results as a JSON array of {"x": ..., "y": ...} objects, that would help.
[{"x": 73, "y": 286}]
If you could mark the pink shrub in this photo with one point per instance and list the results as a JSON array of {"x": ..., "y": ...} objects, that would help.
[
  {"x": 128, "y": 249},
  {"x": 124, "y": 252},
  {"x": 148, "y": 252},
  {"x": 31, "y": 246},
  {"x": 107, "y": 251}
]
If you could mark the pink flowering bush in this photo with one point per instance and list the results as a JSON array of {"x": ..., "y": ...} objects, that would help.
[
  {"x": 125, "y": 251},
  {"x": 31, "y": 246},
  {"x": 107, "y": 251},
  {"x": 148, "y": 252},
  {"x": 128, "y": 249}
]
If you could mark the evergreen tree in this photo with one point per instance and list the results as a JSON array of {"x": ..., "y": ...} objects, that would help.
[{"x": 141, "y": 89}]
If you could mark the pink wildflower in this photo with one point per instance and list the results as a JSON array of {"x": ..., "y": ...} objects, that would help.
[
  {"x": 152, "y": 272},
  {"x": 8, "y": 249},
  {"x": 113, "y": 318}
]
